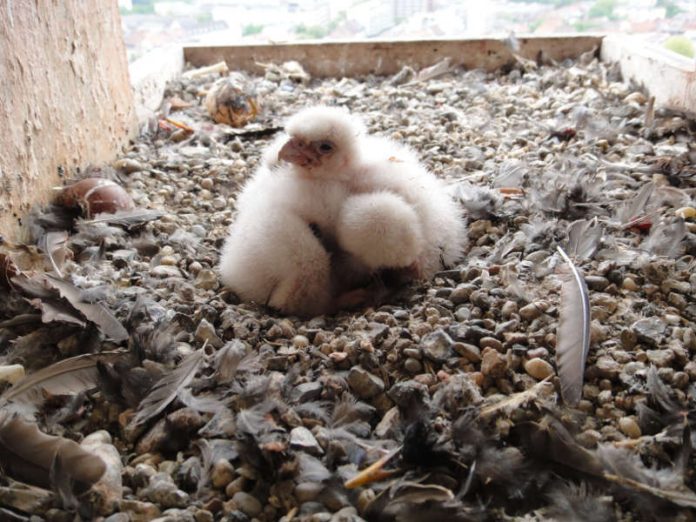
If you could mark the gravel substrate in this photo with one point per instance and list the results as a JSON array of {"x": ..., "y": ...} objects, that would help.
[{"x": 277, "y": 412}]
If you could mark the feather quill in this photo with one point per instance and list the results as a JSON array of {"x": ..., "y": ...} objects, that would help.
[
  {"x": 166, "y": 389},
  {"x": 573, "y": 334}
]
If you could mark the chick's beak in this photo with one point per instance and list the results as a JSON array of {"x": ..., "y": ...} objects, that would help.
[{"x": 298, "y": 152}]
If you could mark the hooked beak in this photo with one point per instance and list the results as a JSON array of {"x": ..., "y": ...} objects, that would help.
[{"x": 299, "y": 153}]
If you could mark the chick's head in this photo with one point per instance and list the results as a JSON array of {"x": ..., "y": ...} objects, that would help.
[{"x": 322, "y": 141}]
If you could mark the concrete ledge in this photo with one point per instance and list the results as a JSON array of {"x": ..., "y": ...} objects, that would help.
[
  {"x": 352, "y": 58},
  {"x": 668, "y": 76},
  {"x": 149, "y": 76}
]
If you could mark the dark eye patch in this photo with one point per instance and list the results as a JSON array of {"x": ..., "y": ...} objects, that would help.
[{"x": 324, "y": 147}]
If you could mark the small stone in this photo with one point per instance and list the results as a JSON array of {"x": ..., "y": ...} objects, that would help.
[
  {"x": 509, "y": 308},
  {"x": 163, "y": 492},
  {"x": 168, "y": 260},
  {"x": 364, "y": 384},
  {"x": 596, "y": 283},
  {"x": 195, "y": 267},
  {"x": 650, "y": 330},
  {"x": 377, "y": 332},
  {"x": 660, "y": 358},
  {"x": 493, "y": 364},
  {"x": 301, "y": 438},
  {"x": 128, "y": 165},
  {"x": 222, "y": 473},
  {"x": 308, "y": 491},
  {"x": 389, "y": 425},
  {"x": 11, "y": 373},
  {"x": 589, "y": 438},
  {"x": 247, "y": 503},
  {"x": 300, "y": 341},
  {"x": 108, "y": 490},
  {"x": 164, "y": 271},
  {"x": 629, "y": 284},
  {"x": 307, "y": 391},
  {"x": 118, "y": 517},
  {"x": 205, "y": 332},
  {"x": 538, "y": 368},
  {"x": 470, "y": 352},
  {"x": 437, "y": 346},
  {"x": 607, "y": 367},
  {"x": 530, "y": 312},
  {"x": 413, "y": 366},
  {"x": 491, "y": 342},
  {"x": 629, "y": 427},
  {"x": 235, "y": 486},
  {"x": 203, "y": 515},
  {"x": 461, "y": 293},
  {"x": 206, "y": 279},
  {"x": 139, "y": 511},
  {"x": 207, "y": 183}
]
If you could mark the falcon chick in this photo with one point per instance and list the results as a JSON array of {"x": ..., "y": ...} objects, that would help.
[{"x": 328, "y": 207}]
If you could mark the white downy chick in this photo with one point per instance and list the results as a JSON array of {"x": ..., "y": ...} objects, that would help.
[
  {"x": 276, "y": 252},
  {"x": 438, "y": 231}
]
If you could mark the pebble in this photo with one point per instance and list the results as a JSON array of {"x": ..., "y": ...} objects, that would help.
[
  {"x": 205, "y": 332},
  {"x": 222, "y": 473},
  {"x": 530, "y": 312},
  {"x": 109, "y": 488},
  {"x": 247, "y": 503},
  {"x": 303, "y": 439},
  {"x": 437, "y": 346},
  {"x": 164, "y": 271},
  {"x": 11, "y": 373},
  {"x": 206, "y": 279},
  {"x": 364, "y": 384},
  {"x": 413, "y": 366},
  {"x": 493, "y": 364},
  {"x": 470, "y": 352},
  {"x": 538, "y": 368},
  {"x": 650, "y": 330},
  {"x": 163, "y": 492},
  {"x": 139, "y": 511},
  {"x": 491, "y": 342},
  {"x": 629, "y": 427},
  {"x": 508, "y": 309}
]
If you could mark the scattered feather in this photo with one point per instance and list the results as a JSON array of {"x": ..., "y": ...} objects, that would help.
[
  {"x": 208, "y": 404},
  {"x": 66, "y": 377},
  {"x": 95, "y": 312},
  {"x": 227, "y": 361},
  {"x": 128, "y": 219},
  {"x": 27, "y": 454},
  {"x": 665, "y": 239},
  {"x": 638, "y": 206},
  {"x": 53, "y": 245},
  {"x": 573, "y": 333},
  {"x": 584, "y": 237},
  {"x": 166, "y": 389}
]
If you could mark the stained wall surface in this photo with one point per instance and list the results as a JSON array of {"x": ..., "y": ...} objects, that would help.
[{"x": 65, "y": 97}]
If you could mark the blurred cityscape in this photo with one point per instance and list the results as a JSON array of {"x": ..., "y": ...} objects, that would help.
[{"x": 151, "y": 23}]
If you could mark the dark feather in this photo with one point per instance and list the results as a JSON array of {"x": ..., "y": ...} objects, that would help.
[
  {"x": 27, "y": 454},
  {"x": 166, "y": 389}
]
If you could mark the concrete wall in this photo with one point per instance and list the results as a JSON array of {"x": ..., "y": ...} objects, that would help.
[
  {"x": 668, "y": 76},
  {"x": 65, "y": 97}
]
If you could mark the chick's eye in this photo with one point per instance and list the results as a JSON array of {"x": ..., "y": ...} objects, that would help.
[{"x": 324, "y": 147}]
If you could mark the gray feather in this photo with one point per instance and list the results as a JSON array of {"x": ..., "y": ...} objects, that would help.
[{"x": 573, "y": 334}]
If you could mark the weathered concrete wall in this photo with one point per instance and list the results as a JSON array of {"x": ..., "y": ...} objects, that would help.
[
  {"x": 358, "y": 58},
  {"x": 65, "y": 98},
  {"x": 668, "y": 76}
]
